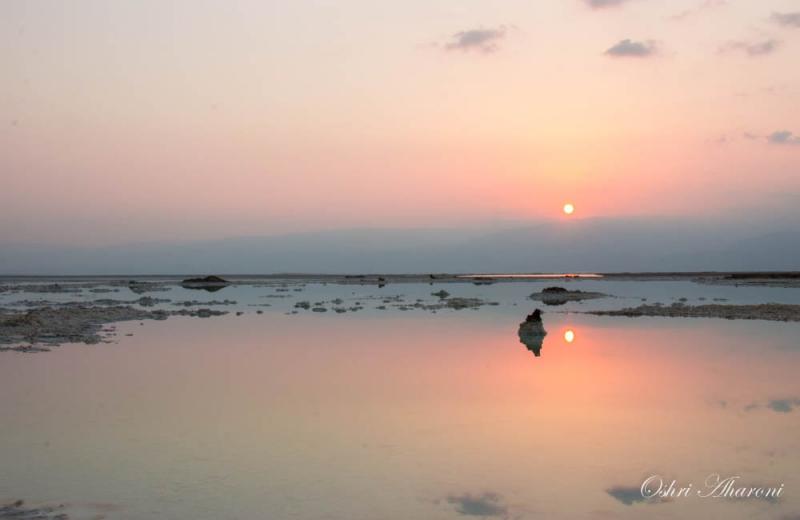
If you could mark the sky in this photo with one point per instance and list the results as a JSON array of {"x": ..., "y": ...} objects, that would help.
[{"x": 195, "y": 119}]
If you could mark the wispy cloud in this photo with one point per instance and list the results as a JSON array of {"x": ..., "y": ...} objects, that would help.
[
  {"x": 632, "y": 49},
  {"x": 752, "y": 49},
  {"x": 601, "y": 4},
  {"x": 706, "y": 5},
  {"x": 787, "y": 19},
  {"x": 783, "y": 137},
  {"x": 482, "y": 40}
]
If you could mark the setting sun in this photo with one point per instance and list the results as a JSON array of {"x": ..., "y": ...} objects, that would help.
[
  {"x": 569, "y": 208},
  {"x": 569, "y": 336}
]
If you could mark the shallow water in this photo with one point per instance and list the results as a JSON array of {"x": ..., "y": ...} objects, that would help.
[
  {"x": 398, "y": 415},
  {"x": 281, "y": 297}
]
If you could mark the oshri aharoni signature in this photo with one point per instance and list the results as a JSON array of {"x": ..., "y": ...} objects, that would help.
[{"x": 715, "y": 486}]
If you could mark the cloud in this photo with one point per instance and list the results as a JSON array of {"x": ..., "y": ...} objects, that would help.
[
  {"x": 783, "y": 137},
  {"x": 632, "y": 49},
  {"x": 784, "y": 405},
  {"x": 789, "y": 404},
  {"x": 628, "y": 495},
  {"x": 484, "y": 40},
  {"x": 486, "y": 504},
  {"x": 707, "y": 4},
  {"x": 602, "y": 4},
  {"x": 752, "y": 49},
  {"x": 787, "y": 19}
]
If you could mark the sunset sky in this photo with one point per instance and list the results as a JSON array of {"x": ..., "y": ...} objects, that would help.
[{"x": 153, "y": 120}]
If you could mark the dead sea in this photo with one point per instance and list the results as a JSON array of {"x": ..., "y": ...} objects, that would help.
[{"x": 418, "y": 399}]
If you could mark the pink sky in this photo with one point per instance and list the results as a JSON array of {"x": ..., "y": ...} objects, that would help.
[{"x": 154, "y": 120}]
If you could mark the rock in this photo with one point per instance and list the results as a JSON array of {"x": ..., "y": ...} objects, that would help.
[
  {"x": 139, "y": 287},
  {"x": 463, "y": 303},
  {"x": 18, "y": 511},
  {"x": 64, "y": 324},
  {"x": 482, "y": 280},
  {"x": 560, "y": 296},
  {"x": 194, "y": 303},
  {"x": 149, "y": 301},
  {"x": 302, "y": 305},
  {"x": 207, "y": 283},
  {"x": 200, "y": 313},
  {"x": 765, "y": 311},
  {"x": 531, "y": 332},
  {"x": 441, "y": 294}
]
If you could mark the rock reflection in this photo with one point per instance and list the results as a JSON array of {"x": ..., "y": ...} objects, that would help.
[
  {"x": 484, "y": 505},
  {"x": 531, "y": 332}
]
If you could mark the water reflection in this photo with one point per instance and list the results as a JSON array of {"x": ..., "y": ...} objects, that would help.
[
  {"x": 485, "y": 505},
  {"x": 403, "y": 416},
  {"x": 531, "y": 332}
]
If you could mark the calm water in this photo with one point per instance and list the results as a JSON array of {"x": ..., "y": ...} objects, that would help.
[{"x": 407, "y": 415}]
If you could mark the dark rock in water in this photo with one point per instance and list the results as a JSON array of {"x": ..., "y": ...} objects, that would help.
[
  {"x": 764, "y": 311},
  {"x": 441, "y": 294},
  {"x": 50, "y": 326},
  {"x": 206, "y": 283},
  {"x": 199, "y": 313},
  {"x": 141, "y": 287},
  {"x": 531, "y": 332},
  {"x": 38, "y": 329},
  {"x": 534, "y": 317},
  {"x": 18, "y": 511},
  {"x": 768, "y": 275},
  {"x": 149, "y": 301},
  {"x": 560, "y": 296},
  {"x": 463, "y": 303},
  {"x": 482, "y": 280},
  {"x": 207, "y": 280}
]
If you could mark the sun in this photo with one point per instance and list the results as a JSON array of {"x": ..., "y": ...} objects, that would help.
[
  {"x": 569, "y": 209},
  {"x": 569, "y": 336}
]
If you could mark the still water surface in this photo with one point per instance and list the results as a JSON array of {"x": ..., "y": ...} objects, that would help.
[{"x": 399, "y": 415}]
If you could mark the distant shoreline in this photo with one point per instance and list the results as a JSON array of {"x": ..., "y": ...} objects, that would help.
[{"x": 708, "y": 276}]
